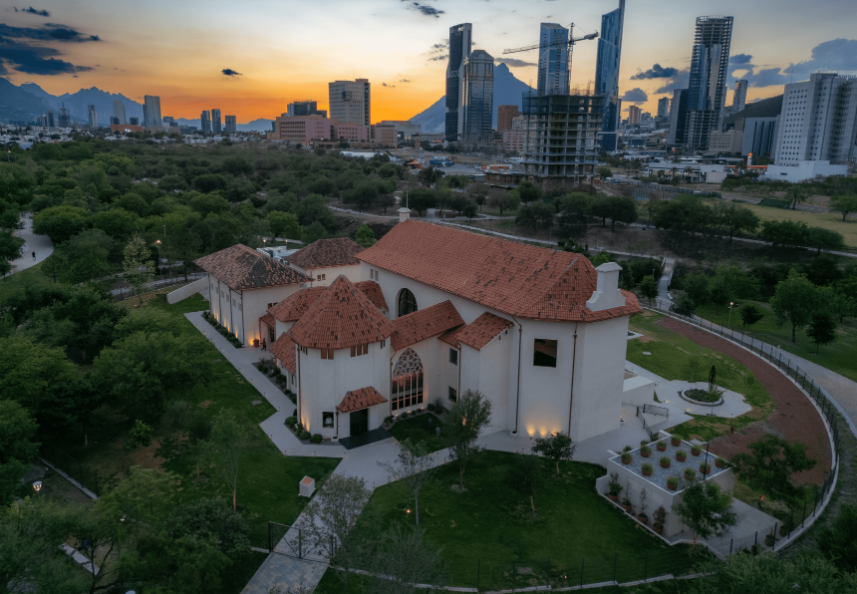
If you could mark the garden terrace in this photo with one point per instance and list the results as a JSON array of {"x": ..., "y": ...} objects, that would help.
[{"x": 659, "y": 474}]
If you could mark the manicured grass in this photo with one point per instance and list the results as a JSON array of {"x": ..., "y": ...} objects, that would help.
[
  {"x": 416, "y": 429},
  {"x": 32, "y": 277},
  {"x": 268, "y": 481},
  {"x": 487, "y": 530},
  {"x": 838, "y": 356},
  {"x": 672, "y": 357}
]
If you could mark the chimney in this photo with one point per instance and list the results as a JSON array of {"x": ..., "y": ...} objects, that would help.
[
  {"x": 404, "y": 214},
  {"x": 607, "y": 293}
]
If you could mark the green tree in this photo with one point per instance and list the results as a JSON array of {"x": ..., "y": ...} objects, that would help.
[
  {"x": 839, "y": 541},
  {"x": 684, "y": 306},
  {"x": 504, "y": 201},
  {"x": 557, "y": 447},
  {"x": 89, "y": 254},
  {"x": 839, "y": 302},
  {"x": 211, "y": 520},
  {"x": 61, "y": 223},
  {"x": 785, "y": 233},
  {"x": 750, "y": 314},
  {"x": 822, "y": 329},
  {"x": 228, "y": 441},
  {"x": 54, "y": 265},
  {"x": 525, "y": 476},
  {"x": 536, "y": 216},
  {"x": 844, "y": 204},
  {"x": 284, "y": 224},
  {"x": 648, "y": 288},
  {"x": 430, "y": 176},
  {"x": 529, "y": 192},
  {"x": 770, "y": 465},
  {"x": 10, "y": 249},
  {"x": 705, "y": 510},
  {"x": 470, "y": 210},
  {"x": 824, "y": 239},
  {"x": 734, "y": 219},
  {"x": 137, "y": 265},
  {"x": 795, "y": 194},
  {"x": 466, "y": 418},
  {"x": 421, "y": 200},
  {"x": 794, "y": 301},
  {"x": 17, "y": 448},
  {"x": 118, "y": 223},
  {"x": 604, "y": 172},
  {"x": 414, "y": 467},
  {"x": 314, "y": 232},
  {"x": 210, "y": 182},
  {"x": 405, "y": 560},
  {"x": 770, "y": 574},
  {"x": 206, "y": 204},
  {"x": 365, "y": 236},
  {"x": 696, "y": 287}
]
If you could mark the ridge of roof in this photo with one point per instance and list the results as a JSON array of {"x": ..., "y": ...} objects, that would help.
[
  {"x": 373, "y": 291},
  {"x": 424, "y": 323},
  {"x": 478, "y": 333},
  {"x": 295, "y": 305},
  {"x": 340, "y": 318},
  {"x": 322, "y": 253},
  {"x": 284, "y": 349},
  {"x": 242, "y": 267}
]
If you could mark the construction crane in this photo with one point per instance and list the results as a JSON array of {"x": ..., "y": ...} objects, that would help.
[{"x": 569, "y": 45}]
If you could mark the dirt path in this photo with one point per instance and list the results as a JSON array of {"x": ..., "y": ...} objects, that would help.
[{"x": 794, "y": 417}]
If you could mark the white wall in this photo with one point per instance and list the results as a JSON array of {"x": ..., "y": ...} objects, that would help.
[
  {"x": 200, "y": 286},
  {"x": 352, "y": 272},
  {"x": 638, "y": 391}
]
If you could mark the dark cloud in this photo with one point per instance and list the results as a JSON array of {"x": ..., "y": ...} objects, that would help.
[
  {"x": 383, "y": 84},
  {"x": 680, "y": 80},
  {"x": 514, "y": 62},
  {"x": 35, "y": 60},
  {"x": 230, "y": 72},
  {"x": 404, "y": 80},
  {"x": 635, "y": 96},
  {"x": 424, "y": 9},
  {"x": 35, "y": 11},
  {"x": 740, "y": 60},
  {"x": 656, "y": 71},
  {"x": 836, "y": 55},
  {"x": 50, "y": 32},
  {"x": 439, "y": 58}
]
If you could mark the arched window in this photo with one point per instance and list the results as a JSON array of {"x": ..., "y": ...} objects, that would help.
[
  {"x": 407, "y": 303},
  {"x": 407, "y": 389}
]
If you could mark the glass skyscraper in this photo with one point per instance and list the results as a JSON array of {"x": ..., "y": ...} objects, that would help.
[
  {"x": 707, "y": 89},
  {"x": 607, "y": 74},
  {"x": 477, "y": 108},
  {"x": 460, "y": 41},
  {"x": 553, "y": 60}
]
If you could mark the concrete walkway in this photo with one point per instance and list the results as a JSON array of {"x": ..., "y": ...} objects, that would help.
[{"x": 41, "y": 244}]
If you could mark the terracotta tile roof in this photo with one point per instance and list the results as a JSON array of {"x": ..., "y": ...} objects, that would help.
[
  {"x": 269, "y": 320},
  {"x": 373, "y": 291},
  {"x": 512, "y": 278},
  {"x": 425, "y": 323},
  {"x": 284, "y": 349},
  {"x": 241, "y": 267},
  {"x": 339, "y": 251},
  {"x": 478, "y": 333},
  {"x": 295, "y": 305},
  {"x": 359, "y": 399},
  {"x": 342, "y": 317}
]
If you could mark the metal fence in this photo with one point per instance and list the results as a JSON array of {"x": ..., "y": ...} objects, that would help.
[
  {"x": 294, "y": 541},
  {"x": 73, "y": 468}
]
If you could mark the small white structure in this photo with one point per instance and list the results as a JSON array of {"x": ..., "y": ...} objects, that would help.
[
  {"x": 307, "y": 487},
  {"x": 805, "y": 170}
]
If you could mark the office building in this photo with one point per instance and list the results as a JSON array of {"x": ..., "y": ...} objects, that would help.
[
  {"x": 114, "y": 121},
  {"x": 477, "y": 107},
  {"x": 678, "y": 117},
  {"x": 152, "y": 111},
  {"x": 134, "y": 121},
  {"x": 231, "y": 125},
  {"x": 205, "y": 123},
  {"x": 305, "y": 108},
  {"x": 634, "y": 115},
  {"x": 663, "y": 107},
  {"x": 119, "y": 111},
  {"x": 216, "y": 126},
  {"x": 93, "y": 118},
  {"x": 505, "y": 115},
  {"x": 707, "y": 88},
  {"x": 65, "y": 118},
  {"x": 460, "y": 42},
  {"x": 50, "y": 120},
  {"x": 301, "y": 129},
  {"x": 818, "y": 121},
  {"x": 607, "y": 74},
  {"x": 739, "y": 97},
  {"x": 553, "y": 60},
  {"x": 384, "y": 136},
  {"x": 404, "y": 128},
  {"x": 350, "y": 101}
]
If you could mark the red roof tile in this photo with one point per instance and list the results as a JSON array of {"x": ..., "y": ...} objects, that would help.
[
  {"x": 241, "y": 267},
  {"x": 295, "y": 305},
  {"x": 284, "y": 349},
  {"x": 373, "y": 291},
  {"x": 269, "y": 320},
  {"x": 339, "y": 251},
  {"x": 512, "y": 278},
  {"x": 342, "y": 317},
  {"x": 425, "y": 323},
  {"x": 359, "y": 399},
  {"x": 478, "y": 333}
]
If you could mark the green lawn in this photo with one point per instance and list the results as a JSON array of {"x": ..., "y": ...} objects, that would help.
[
  {"x": 839, "y": 356},
  {"x": 417, "y": 429},
  {"x": 487, "y": 530},
  {"x": 268, "y": 483},
  {"x": 673, "y": 357},
  {"x": 30, "y": 277}
]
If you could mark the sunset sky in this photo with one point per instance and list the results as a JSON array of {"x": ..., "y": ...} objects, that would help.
[{"x": 286, "y": 50}]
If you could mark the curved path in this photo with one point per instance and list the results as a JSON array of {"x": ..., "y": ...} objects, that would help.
[{"x": 41, "y": 244}]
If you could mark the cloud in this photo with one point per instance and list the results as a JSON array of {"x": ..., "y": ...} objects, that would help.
[
  {"x": 404, "y": 80},
  {"x": 740, "y": 59},
  {"x": 635, "y": 96},
  {"x": 36, "y": 60},
  {"x": 439, "y": 58},
  {"x": 230, "y": 72},
  {"x": 50, "y": 32},
  {"x": 514, "y": 62},
  {"x": 836, "y": 55},
  {"x": 35, "y": 11},
  {"x": 383, "y": 84},
  {"x": 425, "y": 9},
  {"x": 656, "y": 71},
  {"x": 680, "y": 80}
]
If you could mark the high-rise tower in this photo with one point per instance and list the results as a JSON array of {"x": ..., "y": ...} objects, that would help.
[
  {"x": 707, "y": 88},
  {"x": 216, "y": 127},
  {"x": 93, "y": 118},
  {"x": 607, "y": 74},
  {"x": 350, "y": 101},
  {"x": 553, "y": 60},
  {"x": 739, "y": 99},
  {"x": 119, "y": 111},
  {"x": 460, "y": 41},
  {"x": 205, "y": 122},
  {"x": 663, "y": 107},
  {"x": 152, "y": 111},
  {"x": 477, "y": 108}
]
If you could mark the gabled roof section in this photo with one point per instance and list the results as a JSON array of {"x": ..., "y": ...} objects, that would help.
[
  {"x": 358, "y": 399},
  {"x": 425, "y": 323},
  {"x": 322, "y": 253},
  {"x": 241, "y": 267},
  {"x": 478, "y": 333},
  {"x": 295, "y": 305},
  {"x": 373, "y": 291},
  {"x": 268, "y": 319},
  {"x": 284, "y": 350},
  {"x": 342, "y": 317},
  {"x": 508, "y": 277}
]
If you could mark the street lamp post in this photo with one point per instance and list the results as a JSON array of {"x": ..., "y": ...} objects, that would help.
[{"x": 731, "y": 305}]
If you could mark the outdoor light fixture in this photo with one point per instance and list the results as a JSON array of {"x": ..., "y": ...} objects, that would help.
[
  {"x": 407, "y": 511},
  {"x": 37, "y": 486}
]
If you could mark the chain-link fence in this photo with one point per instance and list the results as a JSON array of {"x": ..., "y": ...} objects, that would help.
[{"x": 81, "y": 473}]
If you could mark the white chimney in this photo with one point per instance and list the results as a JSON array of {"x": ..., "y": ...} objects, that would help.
[
  {"x": 607, "y": 293},
  {"x": 404, "y": 214}
]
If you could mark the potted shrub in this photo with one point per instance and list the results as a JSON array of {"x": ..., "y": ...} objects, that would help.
[
  {"x": 672, "y": 483},
  {"x": 689, "y": 474},
  {"x": 665, "y": 462},
  {"x": 662, "y": 446},
  {"x": 720, "y": 463},
  {"x": 645, "y": 451},
  {"x": 647, "y": 470},
  {"x": 705, "y": 468},
  {"x": 660, "y": 517},
  {"x": 614, "y": 487},
  {"x": 695, "y": 450},
  {"x": 681, "y": 455},
  {"x": 626, "y": 504},
  {"x": 644, "y": 442},
  {"x": 626, "y": 458},
  {"x": 676, "y": 441}
]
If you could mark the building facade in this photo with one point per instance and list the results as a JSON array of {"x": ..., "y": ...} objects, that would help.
[
  {"x": 678, "y": 117},
  {"x": 739, "y": 97},
  {"x": 93, "y": 118},
  {"x": 478, "y": 103},
  {"x": 216, "y": 122},
  {"x": 205, "y": 123},
  {"x": 553, "y": 60},
  {"x": 708, "y": 73},
  {"x": 304, "y": 108},
  {"x": 607, "y": 75},
  {"x": 760, "y": 136},
  {"x": 302, "y": 129},
  {"x": 634, "y": 115},
  {"x": 119, "y": 111},
  {"x": 350, "y": 101},
  {"x": 663, "y": 107},
  {"x": 460, "y": 42},
  {"x": 505, "y": 115},
  {"x": 152, "y": 111},
  {"x": 231, "y": 124}
]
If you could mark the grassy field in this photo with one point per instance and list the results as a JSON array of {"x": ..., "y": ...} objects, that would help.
[
  {"x": 831, "y": 221},
  {"x": 32, "y": 277},
  {"x": 674, "y": 357},
  {"x": 417, "y": 429},
  {"x": 488, "y": 531},
  {"x": 268, "y": 482},
  {"x": 839, "y": 356}
]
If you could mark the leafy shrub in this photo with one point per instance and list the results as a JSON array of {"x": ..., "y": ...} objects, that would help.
[
  {"x": 305, "y": 435},
  {"x": 291, "y": 421},
  {"x": 140, "y": 435},
  {"x": 388, "y": 420},
  {"x": 276, "y": 371},
  {"x": 430, "y": 406},
  {"x": 317, "y": 438}
]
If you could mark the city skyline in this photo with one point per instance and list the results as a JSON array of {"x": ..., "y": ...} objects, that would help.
[{"x": 233, "y": 60}]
